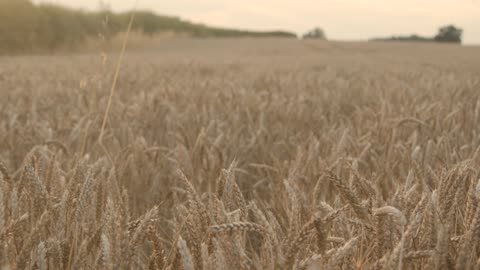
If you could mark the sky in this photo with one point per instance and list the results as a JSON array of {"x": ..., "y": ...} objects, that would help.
[{"x": 340, "y": 19}]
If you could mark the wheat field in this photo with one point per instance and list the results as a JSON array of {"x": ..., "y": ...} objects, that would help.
[{"x": 242, "y": 154}]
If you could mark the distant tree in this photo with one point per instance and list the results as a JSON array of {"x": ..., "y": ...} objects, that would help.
[
  {"x": 410, "y": 38},
  {"x": 147, "y": 22},
  {"x": 18, "y": 25},
  {"x": 449, "y": 33},
  {"x": 316, "y": 33}
]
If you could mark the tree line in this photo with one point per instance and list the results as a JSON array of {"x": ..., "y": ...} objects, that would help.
[
  {"x": 446, "y": 34},
  {"x": 26, "y": 27}
]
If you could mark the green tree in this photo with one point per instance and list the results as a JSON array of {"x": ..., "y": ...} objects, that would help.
[
  {"x": 18, "y": 25},
  {"x": 65, "y": 27},
  {"x": 449, "y": 33},
  {"x": 316, "y": 33}
]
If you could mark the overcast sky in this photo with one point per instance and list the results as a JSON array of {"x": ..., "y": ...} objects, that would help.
[{"x": 341, "y": 19}]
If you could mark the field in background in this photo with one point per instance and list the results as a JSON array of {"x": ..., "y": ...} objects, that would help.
[{"x": 242, "y": 154}]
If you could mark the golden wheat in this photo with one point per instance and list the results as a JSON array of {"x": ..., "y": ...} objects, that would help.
[{"x": 241, "y": 154}]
